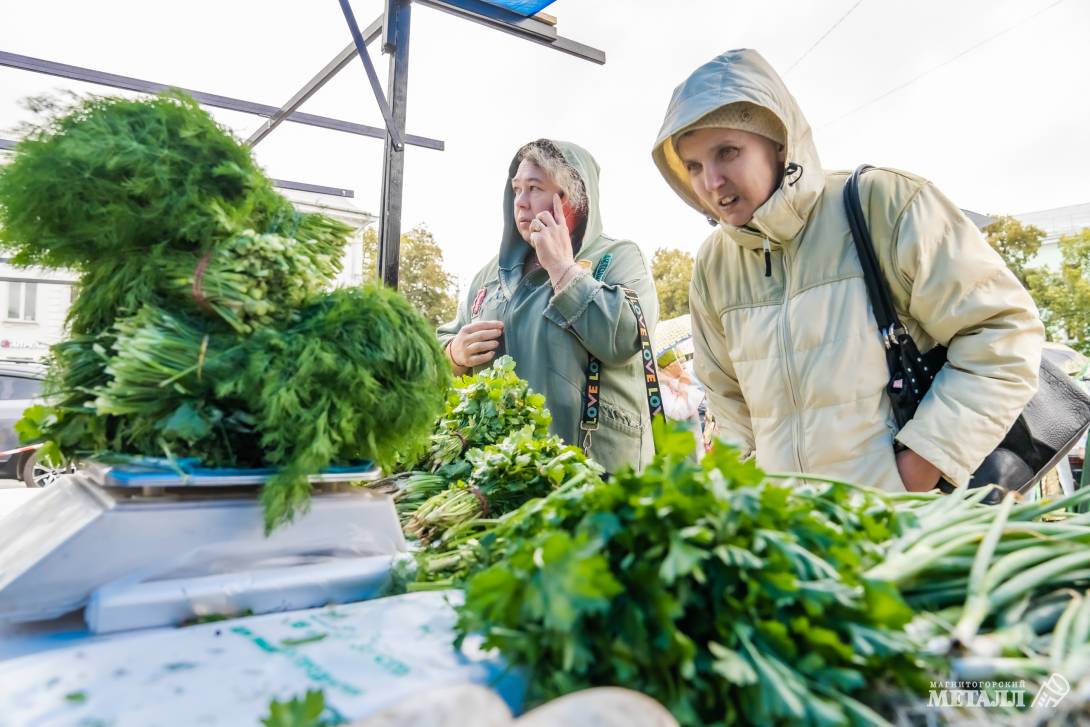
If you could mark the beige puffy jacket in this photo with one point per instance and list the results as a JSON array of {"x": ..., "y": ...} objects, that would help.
[{"x": 793, "y": 364}]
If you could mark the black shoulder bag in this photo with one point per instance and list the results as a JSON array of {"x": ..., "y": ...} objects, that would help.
[{"x": 1044, "y": 432}]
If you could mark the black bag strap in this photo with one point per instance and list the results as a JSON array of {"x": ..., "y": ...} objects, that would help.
[
  {"x": 593, "y": 387},
  {"x": 911, "y": 372},
  {"x": 881, "y": 300}
]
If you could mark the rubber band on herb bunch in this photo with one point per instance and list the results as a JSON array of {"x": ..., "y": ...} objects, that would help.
[
  {"x": 201, "y": 356},
  {"x": 198, "y": 283},
  {"x": 485, "y": 509}
]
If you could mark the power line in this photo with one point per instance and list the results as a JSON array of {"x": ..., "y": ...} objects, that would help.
[
  {"x": 945, "y": 63},
  {"x": 823, "y": 36}
]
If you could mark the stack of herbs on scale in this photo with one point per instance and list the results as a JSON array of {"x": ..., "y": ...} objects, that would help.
[{"x": 205, "y": 324}]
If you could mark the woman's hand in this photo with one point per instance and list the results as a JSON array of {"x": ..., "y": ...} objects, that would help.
[
  {"x": 475, "y": 345},
  {"x": 550, "y": 239},
  {"x": 917, "y": 474}
]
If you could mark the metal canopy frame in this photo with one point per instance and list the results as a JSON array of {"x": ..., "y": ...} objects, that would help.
[
  {"x": 113, "y": 80},
  {"x": 395, "y": 34},
  {"x": 394, "y": 26}
]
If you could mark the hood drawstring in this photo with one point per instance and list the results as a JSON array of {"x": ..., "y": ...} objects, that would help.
[
  {"x": 790, "y": 170},
  {"x": 768, "y": 258}
]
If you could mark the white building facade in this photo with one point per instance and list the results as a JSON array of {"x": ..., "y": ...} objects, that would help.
[
  {"x": 34, "y": 303},
  {"x": 1056, "y": 223}
]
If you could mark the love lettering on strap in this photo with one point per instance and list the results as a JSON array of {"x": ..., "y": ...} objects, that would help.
[{"x": 592, "y": 391}]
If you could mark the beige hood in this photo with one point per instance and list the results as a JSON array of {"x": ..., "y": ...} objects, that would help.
[{"x": 743, "y": 75}]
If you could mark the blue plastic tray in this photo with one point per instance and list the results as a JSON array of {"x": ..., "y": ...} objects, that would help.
[{"x": 187, "y": 472}]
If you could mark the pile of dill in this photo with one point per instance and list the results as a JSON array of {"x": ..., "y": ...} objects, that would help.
[{"x": 205, "y": 324}]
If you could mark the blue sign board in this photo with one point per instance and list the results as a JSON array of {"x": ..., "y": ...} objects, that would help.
[{"x": 522, "y": 7}]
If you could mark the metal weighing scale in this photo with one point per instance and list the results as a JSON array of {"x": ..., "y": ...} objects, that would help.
[
  {"x": 140, "y": 550},
  {"x": 149, "y": 543}
]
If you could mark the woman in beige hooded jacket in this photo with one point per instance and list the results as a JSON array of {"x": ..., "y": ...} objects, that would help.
[{"x": 786, "y": 342}]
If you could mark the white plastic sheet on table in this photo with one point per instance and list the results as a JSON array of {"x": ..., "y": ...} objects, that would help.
[{"x": 363, "y": 656}]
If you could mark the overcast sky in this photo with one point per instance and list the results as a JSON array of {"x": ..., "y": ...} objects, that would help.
[{"x": 1002, "y": 128}]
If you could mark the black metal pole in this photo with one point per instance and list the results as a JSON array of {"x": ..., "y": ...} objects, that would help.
[
  {"x": 372, "y": 76},
  {"x": 393, "y": 170}
]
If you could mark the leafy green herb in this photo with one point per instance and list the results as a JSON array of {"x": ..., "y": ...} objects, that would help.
[
  {"x": 727, "y": 596},
  {"x": 203, "y": 326},
  {"x": 483, "y": 409},
  {"x": 305, "y": 711},
  {"x": 504, "y": 476},
  {"x": 304, "y": 640},
  {"x": 253, "y": 280},
  {"x": 360, "y": 377}
]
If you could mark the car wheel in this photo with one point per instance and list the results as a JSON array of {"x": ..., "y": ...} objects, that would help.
[{"x": 39, "y": 474}]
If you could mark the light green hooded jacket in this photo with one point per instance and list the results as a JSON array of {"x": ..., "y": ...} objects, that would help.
[
  {"x": 793, "y": 363},
  {"x": 551, "y": 336}
]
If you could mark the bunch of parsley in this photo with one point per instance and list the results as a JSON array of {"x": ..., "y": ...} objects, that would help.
[
  {"x": 729, "y": 597},
  {"x": 481, "y": 409}
]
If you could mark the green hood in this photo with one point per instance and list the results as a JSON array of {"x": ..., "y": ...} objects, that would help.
[{"x": 588, "y": 239}]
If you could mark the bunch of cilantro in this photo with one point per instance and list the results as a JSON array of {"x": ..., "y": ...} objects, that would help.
[
  {"x": 521, "y": 467},
  {"x": 482, "y": 409},
  {"x": 730, "y": 597}
]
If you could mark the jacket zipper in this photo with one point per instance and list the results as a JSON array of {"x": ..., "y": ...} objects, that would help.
[
  {"x": 785, "y": 342},
  {"x": 768, "y": 258},
  {"x": 506, "y": 309}
]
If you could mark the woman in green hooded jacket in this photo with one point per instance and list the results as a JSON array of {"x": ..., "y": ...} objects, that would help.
[{"x": 554, "y": 298}]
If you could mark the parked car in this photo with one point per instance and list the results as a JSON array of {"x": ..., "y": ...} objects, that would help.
[{"x": 20, "y": 387}]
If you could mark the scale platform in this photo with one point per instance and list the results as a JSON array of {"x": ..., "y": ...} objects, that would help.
[
  {"x": 187, "y": 472},
  {"x": 151, "y": 543}
]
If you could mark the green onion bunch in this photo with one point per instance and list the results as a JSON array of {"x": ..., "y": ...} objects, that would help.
[
  {"x": 1000, "y": 591},
  {"x": 413, "y": 489}
]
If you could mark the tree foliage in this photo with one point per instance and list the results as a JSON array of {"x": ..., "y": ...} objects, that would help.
[
  {"x": 1017, "y": 243},
  {"x": 672, "y": 271},
  {"x": 1064, "y": 297},
  {"x": 423, "y": 279}
]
